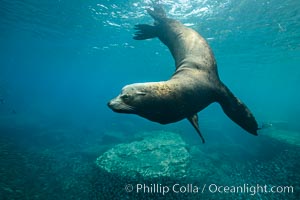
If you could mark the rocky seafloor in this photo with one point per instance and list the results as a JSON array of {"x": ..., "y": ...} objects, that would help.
[
  {"x": 163, "y": 154},
  {"x": 53, "y": 164}
]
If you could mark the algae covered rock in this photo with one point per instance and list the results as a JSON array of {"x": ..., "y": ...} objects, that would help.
[
  {"x": 162, "y": 154},
  {"x": 286, "y": 136}
]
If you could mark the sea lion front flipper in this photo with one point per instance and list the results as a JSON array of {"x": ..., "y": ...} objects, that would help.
[
  {"x": 194, "y": 121},
  {"x": 144, "y": 31},
  {"x": 237, "y": 111}
]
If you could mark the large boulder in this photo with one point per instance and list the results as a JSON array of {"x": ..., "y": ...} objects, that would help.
[{"x": 162, "y": 154}]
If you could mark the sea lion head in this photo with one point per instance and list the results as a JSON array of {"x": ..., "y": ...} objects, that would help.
[{"x": 130, "y": 100}]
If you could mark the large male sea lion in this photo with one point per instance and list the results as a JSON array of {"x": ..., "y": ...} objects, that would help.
[{"x": 194, "y": 85}]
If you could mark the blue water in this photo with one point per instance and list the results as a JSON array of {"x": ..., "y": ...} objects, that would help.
[{"x": 63, "y": 60}]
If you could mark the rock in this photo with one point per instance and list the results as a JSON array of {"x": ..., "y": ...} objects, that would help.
[
  {"x": 290, "y": 137},
  {"x": 162, "y": 154},
  {"x": 7, "y": 189}
]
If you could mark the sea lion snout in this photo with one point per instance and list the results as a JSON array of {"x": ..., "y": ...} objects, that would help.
[
  {"x": 110, "y": 104},
  {"x": 119, "y": 106},
  {"x": 115, "y": 104}
]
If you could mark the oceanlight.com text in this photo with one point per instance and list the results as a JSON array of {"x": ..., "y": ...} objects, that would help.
[
  {"x": 210, "y": 188},
  {"x": 250, "y": 189}
]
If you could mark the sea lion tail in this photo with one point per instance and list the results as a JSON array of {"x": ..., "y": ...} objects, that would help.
[{"x": 237, "y": 111}]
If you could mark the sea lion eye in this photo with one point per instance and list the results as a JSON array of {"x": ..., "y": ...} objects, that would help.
[{"x": 125, "y": 96}]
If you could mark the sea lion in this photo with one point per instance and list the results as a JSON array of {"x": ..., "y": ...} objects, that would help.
[{"x": 194, "y": 85}]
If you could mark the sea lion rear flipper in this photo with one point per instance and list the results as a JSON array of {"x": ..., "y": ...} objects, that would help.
[
  {"x": 158, "y": 13},
  {"x": 194, "y": 121},
  {"x": 144, "y": 31},
  {"x": 237, "y": 111}
]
